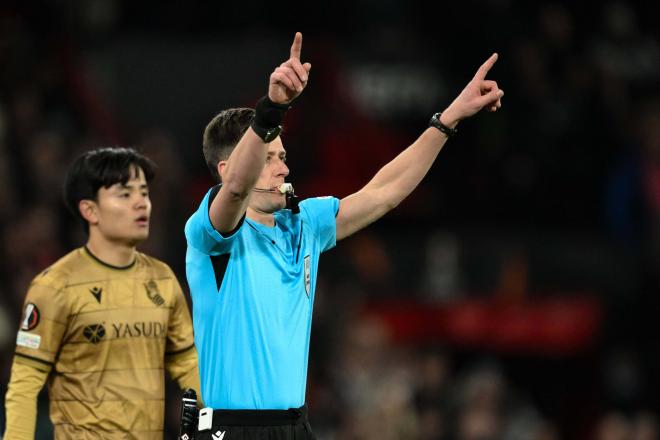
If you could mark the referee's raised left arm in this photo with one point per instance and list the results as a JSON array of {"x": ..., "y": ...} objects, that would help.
[{"x": 397, "y": 179}]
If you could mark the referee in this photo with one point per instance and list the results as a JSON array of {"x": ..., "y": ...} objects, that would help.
[{"x": 253, "y": 254}]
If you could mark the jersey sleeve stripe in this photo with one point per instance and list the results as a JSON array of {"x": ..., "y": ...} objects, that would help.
[
  {"x": 183, "y": 350},
  {"x": 32, "y": 358}
]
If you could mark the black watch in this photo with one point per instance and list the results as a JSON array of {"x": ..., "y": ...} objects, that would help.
[
  {"x": 435, "y": 122},
  {"x": 267, "y": 134}
]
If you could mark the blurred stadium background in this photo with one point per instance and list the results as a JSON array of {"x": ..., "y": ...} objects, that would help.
[{"x": 513, "y": 296}]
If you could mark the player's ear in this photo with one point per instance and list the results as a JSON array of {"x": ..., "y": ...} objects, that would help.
[{"x": 89, "y": 211}]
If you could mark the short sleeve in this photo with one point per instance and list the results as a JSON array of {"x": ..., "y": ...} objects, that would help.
[
  {"x": 321, "y": 214},
  {"x": 200, "y": 233},
  {"x": 42, "y": 326}
]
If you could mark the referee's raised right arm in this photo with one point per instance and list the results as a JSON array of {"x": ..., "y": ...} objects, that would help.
[{"x": 240, "y": 172}]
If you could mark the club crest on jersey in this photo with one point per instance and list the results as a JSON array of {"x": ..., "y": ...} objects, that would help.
[
  {"x": 94, "y": 333},
  {"x": 308, "y": 275},
  {"x": 31, "y": 317},
  {"x": 153, "y": 293}
]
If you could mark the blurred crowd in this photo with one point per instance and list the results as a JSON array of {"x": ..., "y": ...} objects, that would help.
[{"x": 557, "y": 193}]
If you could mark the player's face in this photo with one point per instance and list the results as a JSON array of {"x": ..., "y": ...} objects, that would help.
[
  {"x": 123, "y": 211},
  {"x": 272, "y": 176}
]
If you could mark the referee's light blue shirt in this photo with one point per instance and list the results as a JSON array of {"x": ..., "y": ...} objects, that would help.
[{"x": 253, "y": 294}]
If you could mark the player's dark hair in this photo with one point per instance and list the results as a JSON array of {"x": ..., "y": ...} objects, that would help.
[
  {"x": 222, "y": 134},
  {"x": 102, "y": 167}
]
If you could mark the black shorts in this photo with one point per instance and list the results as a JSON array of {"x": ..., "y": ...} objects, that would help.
[{"x": 289, "y": 424}]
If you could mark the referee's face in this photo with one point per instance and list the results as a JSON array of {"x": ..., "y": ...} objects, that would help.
[
  {"x": 123, "y": 211},
  {"x": 272, "y": 176}
]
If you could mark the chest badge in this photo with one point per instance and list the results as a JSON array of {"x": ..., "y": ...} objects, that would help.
[
  {"x": 308, "y": 275},
  {"x": 153, "y": 293}
]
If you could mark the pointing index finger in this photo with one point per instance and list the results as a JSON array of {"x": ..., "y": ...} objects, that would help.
[
  {"x": 296, "y": 47},
  {"x": 485, "y": 67}
]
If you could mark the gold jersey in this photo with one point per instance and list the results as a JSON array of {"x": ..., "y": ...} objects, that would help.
[{"x": 106, "y": 333}]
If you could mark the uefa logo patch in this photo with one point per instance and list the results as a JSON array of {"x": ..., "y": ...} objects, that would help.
[
  {"x": 31, "y": 317},
  {"x": 308, "y": 275}
]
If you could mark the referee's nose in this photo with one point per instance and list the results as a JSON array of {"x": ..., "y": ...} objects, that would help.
[{"x": 282, "y": 169}]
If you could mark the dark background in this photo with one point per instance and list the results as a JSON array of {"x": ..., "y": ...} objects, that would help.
[{"x": 514, "y": 295}]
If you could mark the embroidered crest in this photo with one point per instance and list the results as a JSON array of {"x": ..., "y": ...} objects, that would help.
[
  {"x": 153, "y": 293},
  {"x": 308, "y": 275}
]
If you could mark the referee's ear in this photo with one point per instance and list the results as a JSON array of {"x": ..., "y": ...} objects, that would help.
[
  {"x": 221, "y": 168},
  {"x": 87, "y": 209}
]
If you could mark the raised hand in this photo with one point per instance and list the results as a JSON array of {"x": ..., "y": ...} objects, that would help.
[
  {"x": 289, "y": 79},
  {"x": 479, "y": 93}
]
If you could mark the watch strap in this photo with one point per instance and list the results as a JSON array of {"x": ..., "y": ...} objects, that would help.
[{"x": 435, "y": 122}]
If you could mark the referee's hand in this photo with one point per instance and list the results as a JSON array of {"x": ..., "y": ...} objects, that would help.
[
  {"x": 478, "y": 93},
  {"x": 289, "y": 79}
]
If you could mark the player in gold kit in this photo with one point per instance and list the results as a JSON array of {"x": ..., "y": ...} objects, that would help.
[{"x": 102, "y": 323}]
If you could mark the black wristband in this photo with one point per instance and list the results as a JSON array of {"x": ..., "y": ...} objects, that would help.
[
  {"x": 268, "y": 118},
  {"x": 269, "y": 114},
  {"x": 435, "y": 122}
]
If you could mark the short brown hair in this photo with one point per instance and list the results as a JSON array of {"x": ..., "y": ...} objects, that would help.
[{"x": 222, "y": 134}]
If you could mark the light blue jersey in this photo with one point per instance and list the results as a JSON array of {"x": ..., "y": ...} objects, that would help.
[{"x": 253, "y": 293}]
